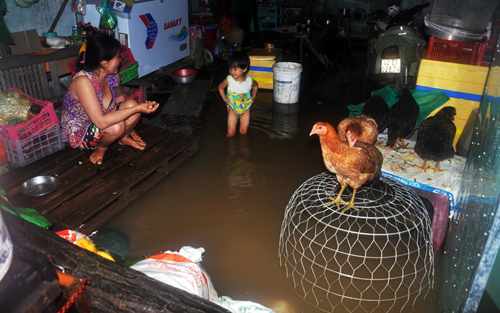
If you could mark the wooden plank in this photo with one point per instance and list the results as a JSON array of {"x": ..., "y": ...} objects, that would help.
[
  {"x": 105, "y": 191},
  {"x": 177, "y": 99},
  {"x": 81, "y": 175},
  {"x": 42, "y": 74},
  {"x": 28, "y": 59},
  {"x": 113, "y": 287},
  {"x": 55, "y": 79},
  {"x": 92, "y": 194},
  {"x": 78, "y": 173},
  {"x": 45, "y": 167},
  {"x": 102, "y": 218},
  {"x": 195, "y": 100}
]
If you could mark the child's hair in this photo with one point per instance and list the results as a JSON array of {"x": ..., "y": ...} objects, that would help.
[
  {"x": 239, "y": 59},
  {"x": 100, "y": 47}
]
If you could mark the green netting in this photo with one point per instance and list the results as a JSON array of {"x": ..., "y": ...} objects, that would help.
[{"x": 427, "y": 100}]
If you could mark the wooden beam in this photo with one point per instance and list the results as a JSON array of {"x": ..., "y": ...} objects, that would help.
[
  {"x": 113, "y": 287},
  {"x": 28, "y": 59}
]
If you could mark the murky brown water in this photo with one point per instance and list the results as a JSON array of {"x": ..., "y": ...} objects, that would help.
[{"x": 230, "y": 199}]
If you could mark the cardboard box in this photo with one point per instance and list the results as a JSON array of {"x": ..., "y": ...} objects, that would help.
[{"x": 26, "y": 42}]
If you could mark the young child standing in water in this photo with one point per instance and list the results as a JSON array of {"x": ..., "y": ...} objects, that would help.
[{"x": 241, "y": 93}]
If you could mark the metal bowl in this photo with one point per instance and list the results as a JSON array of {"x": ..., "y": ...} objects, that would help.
[
  {"x": 184, "y": 75},
  {"x": 39, "y": 186}
]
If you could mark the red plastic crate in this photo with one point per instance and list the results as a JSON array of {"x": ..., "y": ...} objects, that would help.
[
  {"x": 127, "y": 58},
  {"x": 452, "y": 51},
  {"x": 137, "y": 96},
  {"x": 485, "y": 55},
  {"x": 127, "y": 61},
  {"x": 47, "y": 118}
]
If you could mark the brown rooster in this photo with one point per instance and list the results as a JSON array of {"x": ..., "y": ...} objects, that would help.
[
  {"x": 353, "y": 165},
  {"x": 361, "y": 127}
]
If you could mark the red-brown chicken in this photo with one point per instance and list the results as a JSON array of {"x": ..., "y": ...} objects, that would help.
[
  {"x": 353, "y": 165},
  {"x": 361, "y": 127}
]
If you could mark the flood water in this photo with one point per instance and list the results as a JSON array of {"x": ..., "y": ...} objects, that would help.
[{"x": 230, "y": 199}]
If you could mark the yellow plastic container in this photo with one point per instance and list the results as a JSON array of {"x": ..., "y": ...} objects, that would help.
[
  {"x": 261, "y": 65},
  {"x": 463, "y": 83}
]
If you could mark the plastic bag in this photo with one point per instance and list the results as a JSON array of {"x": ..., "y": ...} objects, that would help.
[
  {"x": 242, "y": 306},
  {"x": 27, "y": 214},
  {"x": 197, "y": 32},
  {"x": 108, "y": 18},
  {"x": 121, "y": 8},
  {"x": 82, "y": 241},
  {"x": 25, "y": 3},
  {"x": 180, "y": 269},
  {"x": 13, "y": 108},
  {"x": 79, "y": 6}
]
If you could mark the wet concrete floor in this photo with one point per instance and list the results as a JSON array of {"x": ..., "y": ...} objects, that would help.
[{"x": 230, "y": 199}]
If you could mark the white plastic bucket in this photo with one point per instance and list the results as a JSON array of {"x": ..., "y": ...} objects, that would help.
[
  {"x": 6, "y": 250},
  {"x": 286, "y": 82}
]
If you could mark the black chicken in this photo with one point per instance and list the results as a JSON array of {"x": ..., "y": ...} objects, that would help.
[
  {"x": 378, "y": 109},
  {"x": 435, "y": 138},
  {"x": 402, "y": 118}
]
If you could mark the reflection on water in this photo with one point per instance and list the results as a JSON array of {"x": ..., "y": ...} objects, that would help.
[
  {"x": 230, "y": 199},
  {"x": 239, "y": 170},
  {"x": 285, "y": 121}
]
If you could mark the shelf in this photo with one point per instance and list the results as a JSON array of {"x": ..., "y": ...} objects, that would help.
[{"x": 269, "y": 17}]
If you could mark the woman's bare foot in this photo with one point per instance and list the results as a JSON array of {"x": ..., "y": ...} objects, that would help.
[
  {"x": 135, "y": 136},
  {"x": 129, "y": 141},
  {"x": 98, "y": 155}
]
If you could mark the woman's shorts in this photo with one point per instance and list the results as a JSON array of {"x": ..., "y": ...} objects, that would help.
[{"x": 91, "y": 138}]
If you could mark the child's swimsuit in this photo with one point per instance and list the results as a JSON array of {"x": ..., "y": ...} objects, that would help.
[{"x": 239, "y": 95}]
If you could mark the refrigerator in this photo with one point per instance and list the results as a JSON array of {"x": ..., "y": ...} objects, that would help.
[{"x": 157, "y": 32}]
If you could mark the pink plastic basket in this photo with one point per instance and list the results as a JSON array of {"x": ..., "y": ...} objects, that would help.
[{"x": 47, "y": 118}]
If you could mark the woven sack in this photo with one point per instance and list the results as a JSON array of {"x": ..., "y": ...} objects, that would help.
[
  {"x": 196, "y": 52},
  {"x": 233, "y": 36}
]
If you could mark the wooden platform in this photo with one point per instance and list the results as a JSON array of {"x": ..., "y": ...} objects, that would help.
[
  {"x": 90, "y": 195},
  {"x": 183, "y": 108}
]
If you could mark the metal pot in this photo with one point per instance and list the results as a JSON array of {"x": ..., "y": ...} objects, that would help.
[
  {"x": 39, "y": 186},
  {"x": 184, "y": 75}
]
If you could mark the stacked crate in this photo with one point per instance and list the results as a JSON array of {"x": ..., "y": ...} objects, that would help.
[
  {"x": 34, "y": 139},
  {"x": 479, "y": 53},
  {"x": 261, "y": 65},
  {"x": 128, "y": 69},
  {"x": 463, "y": 83}
]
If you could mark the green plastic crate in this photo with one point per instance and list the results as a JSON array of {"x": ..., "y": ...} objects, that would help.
[{"x": 129, "y": 73}]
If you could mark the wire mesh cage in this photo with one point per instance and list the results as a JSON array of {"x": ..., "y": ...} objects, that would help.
[{"x": 377, "y": 259}]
